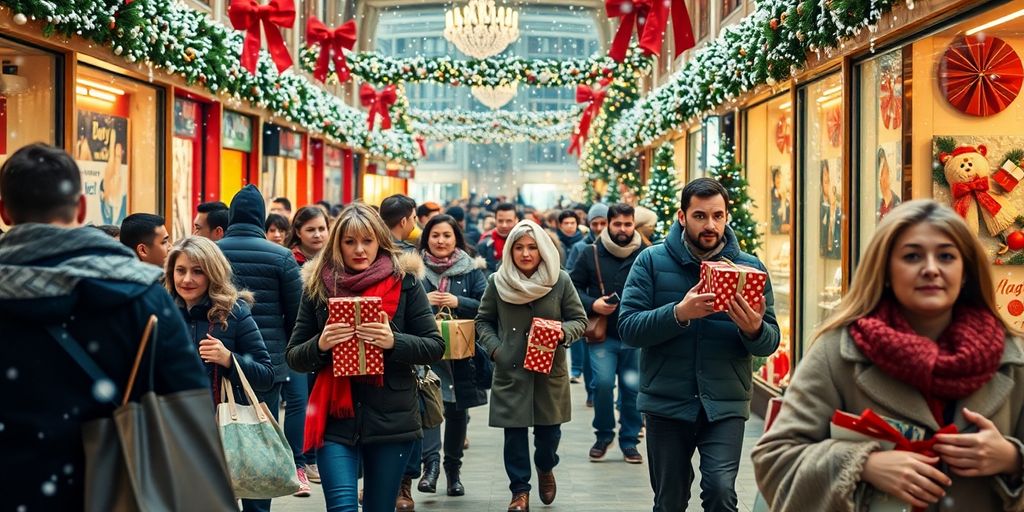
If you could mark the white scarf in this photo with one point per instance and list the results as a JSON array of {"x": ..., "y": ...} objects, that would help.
[
  {"x": 513, "y": 286},
  {"x": 620, "y": 251}
]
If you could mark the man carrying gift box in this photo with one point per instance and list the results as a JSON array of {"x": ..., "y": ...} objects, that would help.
[
  {"x": 695, "y": 362},
  {"x": 599, "y": 274}
]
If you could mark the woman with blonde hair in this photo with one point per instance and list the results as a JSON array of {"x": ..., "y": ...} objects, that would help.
[
  {"x": 918, "y": 339},
  {"x": 371, "y": 420},
  {"x": 199, "y": 279},
  {"x": 529, "y": 284}
]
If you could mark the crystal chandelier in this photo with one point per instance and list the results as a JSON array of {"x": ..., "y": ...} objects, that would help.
[
  {"x": 480, "y": 29},
  {"x": 494, "y": 97}
]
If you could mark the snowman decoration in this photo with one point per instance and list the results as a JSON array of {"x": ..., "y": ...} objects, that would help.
[{"x": 969, "y": 176}]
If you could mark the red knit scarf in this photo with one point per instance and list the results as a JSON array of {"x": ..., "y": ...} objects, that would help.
[
  {"x": 499, "y": 244},
  {"x": 951, "y": 368},
  {"x": 332, "y": 396},
  {"x": 300, "y": 258}
]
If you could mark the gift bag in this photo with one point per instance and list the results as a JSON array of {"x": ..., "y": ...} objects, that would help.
[
  {"x": 354, "y": 357},
  {"x": 541, "y": 344},
  {"x": 724, "y": 278},
  {"x": 459, "y": 335}
]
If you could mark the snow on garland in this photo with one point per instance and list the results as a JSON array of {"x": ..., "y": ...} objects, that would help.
[
  {"x": 383, "y": 70},
  {"x": 500, "y": 126},
  {"x": 161, "y": 34},
  {"x": 766, "y": 47}
]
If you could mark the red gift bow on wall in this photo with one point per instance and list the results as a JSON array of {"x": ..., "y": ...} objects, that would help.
[
  {"x": 974, "y": 189},
  {"x": 650, "y": 18},
  {"x": 584, "y": 94},
  {"x": 331, "y": 41},
  {"x": 422, "y": 143},
  {"x": 249, "y": 15},
  {"x": 378, "y": 103},
  {"x": 871, "y": 424}
]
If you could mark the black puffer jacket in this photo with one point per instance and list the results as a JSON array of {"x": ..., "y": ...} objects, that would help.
[
  {"x": 387, "y": 414},
  {"x": 242, "y": 338},
  {"x": 267, "y": 270}
]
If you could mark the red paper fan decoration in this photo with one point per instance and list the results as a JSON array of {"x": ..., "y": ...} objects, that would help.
[
  {"x": 784, "y": 134},
  {"x": 835, "y": 126},
  {"x": 980, "y": 75},
  {"x": 891, "y": 102}
]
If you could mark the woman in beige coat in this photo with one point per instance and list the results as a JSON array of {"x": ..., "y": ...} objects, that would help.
[
  {"x": 528, "y": 284},
  {"x": 918, "y": 339}
]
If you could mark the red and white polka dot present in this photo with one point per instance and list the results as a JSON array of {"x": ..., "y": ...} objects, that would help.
[
  {"x": 541, "y": 344},
  {"x": 724, "y": 278},
  {"x": 354, "y": 357}
]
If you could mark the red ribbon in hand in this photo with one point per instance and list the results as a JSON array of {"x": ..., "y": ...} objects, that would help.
[
  {"x": 378, "y": 103},
  {"x": 331, "y": 41},
  {"x": 650, "y": 18},
  {"x": 584, "y": 94},
  {"x": 977, "y": 188},
  {"x": 249, "y": 15}
]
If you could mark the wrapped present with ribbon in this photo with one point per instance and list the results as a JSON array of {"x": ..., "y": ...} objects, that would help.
[
  {"x": 725, "y": 278},
  {"x": 892, "y": 435},
  {"x": 1008, "y": 176},
  {"x": 459, "y": 335},
  {"x": 541, "y": 344},
  {"x": 355, "y": 357}
]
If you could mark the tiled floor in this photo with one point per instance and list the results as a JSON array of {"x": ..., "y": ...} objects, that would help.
[{"x": 611, "y": 485}]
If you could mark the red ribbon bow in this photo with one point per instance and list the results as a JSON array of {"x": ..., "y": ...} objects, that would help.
[
  {"x": 249, "y": 15},
  {"x": 378, "y": 103},
  {"x": 871, "y": 424},
  {"x": 650, "y": 18},
  {"x": 595, "y": 96},
  {"x": 331, "y": 41},
  {"x": 977, "y": 188},
  {"x": 422, "y": 143}
]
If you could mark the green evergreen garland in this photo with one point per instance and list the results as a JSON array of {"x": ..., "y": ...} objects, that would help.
[
  {"x": 662, "y": 191},
  {"x": 730, "y": 175}
]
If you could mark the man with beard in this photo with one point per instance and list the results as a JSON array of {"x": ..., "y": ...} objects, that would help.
[
  {"x": 695, "y": 363},
  {"x": 599, "y": 275}
]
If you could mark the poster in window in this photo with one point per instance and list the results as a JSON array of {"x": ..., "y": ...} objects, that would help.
[
  {"x": 780, "y": 200},
  {"x": 101, "y": 152},
  {"x": 830, "y": 227},
  {"x": 890, "y": 178},
  {"x": 236, "y": 131}
]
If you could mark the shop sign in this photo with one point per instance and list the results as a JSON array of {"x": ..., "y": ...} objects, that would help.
[
  {"x": 291, "y": 144},
  {"x": 101, "y": 152},
  {"x": 1010, "y": 295},
  {"x": 185, "y": 118},
  {"x": 236, "y": 131}
]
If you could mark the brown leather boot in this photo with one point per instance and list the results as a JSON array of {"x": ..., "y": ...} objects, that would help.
[
  {"x": 404, "y": 502},
  {"x": 547, "y": 486},
  {"x": 520, "y": 502}
]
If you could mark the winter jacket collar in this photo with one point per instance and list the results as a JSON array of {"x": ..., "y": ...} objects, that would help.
[
  {"x": 674, "y": 244},
  {"x": 245, "y": 230},
  {"x": 898, "y": 396}
]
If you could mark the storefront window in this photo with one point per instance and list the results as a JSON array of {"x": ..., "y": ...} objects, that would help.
[
  {"x": 768, "y": 157},
  {"x": 187, "y": 153},
  {"x": 284, "y": 165},
  {"x": 333, "y": 174},
  {"x": 823, "y": 195},
  {"x": 378, "y": 184},
  {"x": 119, "y": 145},
  {"x": 879, "y": 155},
  {"x": 28, "y": 105},
  {"x": 236, "y": 152},
  {"x": 695, "y": 154}
]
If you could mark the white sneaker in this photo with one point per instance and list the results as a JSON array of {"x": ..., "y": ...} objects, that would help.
[{"x": 313, "y": 473}]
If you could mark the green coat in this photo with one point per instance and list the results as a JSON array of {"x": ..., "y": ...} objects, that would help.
[{"x": 522, "y": 398}]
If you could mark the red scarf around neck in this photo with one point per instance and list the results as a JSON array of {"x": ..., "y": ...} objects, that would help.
[
  {"x": 499, "y": 244},
  {"x": 332, "y": 396},
  {"x": 953, "y": 367}
]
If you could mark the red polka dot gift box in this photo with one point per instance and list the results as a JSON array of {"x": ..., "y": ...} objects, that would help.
[
  {"x": 544, "y": 337},
  {"x": 354, "y": 357},
  {"x": 725, "y": 278}
]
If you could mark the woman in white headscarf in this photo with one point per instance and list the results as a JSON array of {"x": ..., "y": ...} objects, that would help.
[{"x": 529, "y": 284}]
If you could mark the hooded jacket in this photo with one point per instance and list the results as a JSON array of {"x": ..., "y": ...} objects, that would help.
[
  {"x": 704, "y": 365},
  {"x": 267, "y": 270},
  {"x": 98, "y": 290}
]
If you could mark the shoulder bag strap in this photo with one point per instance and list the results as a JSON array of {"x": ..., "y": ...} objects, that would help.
[
  {"x": 597, "y": 266},
  {"x": 150, "y": 325},
  {"x": 71, "y": 346}
]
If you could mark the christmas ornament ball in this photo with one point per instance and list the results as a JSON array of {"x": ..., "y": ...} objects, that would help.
[
  {"x": 1015, "y": 240},
  {"x": 20, "y": 19}
]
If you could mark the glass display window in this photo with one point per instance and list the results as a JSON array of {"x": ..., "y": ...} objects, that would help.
[
  {"x": 187, "y": 157},
  {"x": 822, "y": 193},
  {"x": 236, "y": 153},
  {"x": 878, "y": 155},
  {"x": 28, "y": 98},
  {"x": 695, "y": 154},
  {"x": 119, "y": 145},
  {"x": 768, "y": 161},
  {"x": 334, "y": 163}
]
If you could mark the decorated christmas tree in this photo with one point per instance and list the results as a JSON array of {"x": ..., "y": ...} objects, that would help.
[
  {"x": 662, "y": 191},
  {"x": 730, "y": 175}
]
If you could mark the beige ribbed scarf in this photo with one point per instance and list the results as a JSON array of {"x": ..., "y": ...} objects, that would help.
[
  {"x": 513, "y": 286},
  {"x": 620, "y": 251}
]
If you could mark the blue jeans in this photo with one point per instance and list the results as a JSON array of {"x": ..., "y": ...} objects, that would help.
[
  {"x": 670, "y": 446},
  {"x": 382, "y": 475},
  {"x": 295, "y": 393},
  {"x": 609, "y": 360},
  {"x": 579, "y": 352}
]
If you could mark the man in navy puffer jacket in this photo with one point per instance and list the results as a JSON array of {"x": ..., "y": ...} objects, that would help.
[{"x": 269, "y": 271}]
